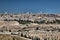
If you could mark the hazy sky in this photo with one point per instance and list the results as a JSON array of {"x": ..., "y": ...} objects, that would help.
[{"x": 50, "y": 6}]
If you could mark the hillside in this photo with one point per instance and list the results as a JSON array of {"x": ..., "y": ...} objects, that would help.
[{"x": 9, "y": 37}]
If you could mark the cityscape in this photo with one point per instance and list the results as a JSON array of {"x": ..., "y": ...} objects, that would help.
[
  {"x": 30, "y": 26},
  {"x": 29, "y": 19}
]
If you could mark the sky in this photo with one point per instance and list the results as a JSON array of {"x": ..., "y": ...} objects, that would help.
[{"x": 35, "y": 6}]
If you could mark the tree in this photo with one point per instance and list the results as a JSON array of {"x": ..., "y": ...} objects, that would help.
[
  {"x": 13, "y": 38},
  {"x": 45, "y": 39},
  {"x": 37, "y": 28},
  {"x": 21, "y": 34},
  {"x": 25, "y": 36},
  {"x": 29, "y": 37},
  {"x": 36, "y": 38},
  {"x": 9, "y": 30},
  {"x": 1, "y": 30}
]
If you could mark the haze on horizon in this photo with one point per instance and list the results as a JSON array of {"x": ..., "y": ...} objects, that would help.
[{"x": 19, "y": 6}]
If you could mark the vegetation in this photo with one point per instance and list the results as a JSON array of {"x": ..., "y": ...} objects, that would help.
[
  {"x": 37, "y": 28},
  {"x": 54, "y": 22},
  {"x": 39, "y": 22},
  {"x": 29, "y": 37},
  {"x": 9, "y": 30},
  {"x": 24, "y": 21},
  {"x": 36, "y": 38},
  {"x": 25, "y": 36},
  {"x": 21, "y": 34}
]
